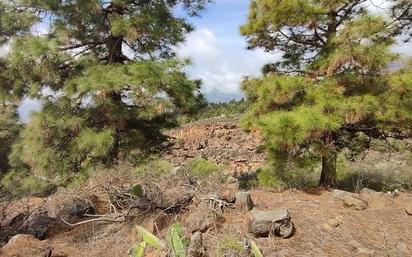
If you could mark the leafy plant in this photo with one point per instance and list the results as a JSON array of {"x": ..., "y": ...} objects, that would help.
[
  {"x": 201, "y": 168},
  {"x": 255, "y": 249},
  {"x": 177, "y": 243}
]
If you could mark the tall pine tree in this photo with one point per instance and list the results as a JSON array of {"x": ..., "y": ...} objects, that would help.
[
  {"x": 12, "y": 23},
  {"x": 332, "y": 86},
  {"x": 107, "y": 75}
]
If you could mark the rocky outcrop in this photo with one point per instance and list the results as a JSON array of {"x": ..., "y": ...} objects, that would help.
[
  {"x": 276, "y": 222},
  {"x": 350, "y": 200},
  {"x": 218, "y": 140}
]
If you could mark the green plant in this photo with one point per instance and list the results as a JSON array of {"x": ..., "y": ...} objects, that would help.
[
  {"x": 229, "y": 244},
  {"x": 155, "y": 167},
  {"x": 255, "y": 249},
  {"x": 201, "y": 168},
  {"x": 266, "y": 178},
  {"x": 177, "y": 243}
]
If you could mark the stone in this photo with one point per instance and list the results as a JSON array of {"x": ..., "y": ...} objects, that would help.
[
  {"x": 76, "y": 210},
  {"x": 349, "y": 200},
  {"x": 39, "y": 225},
  {"x": 364, "y": 252},
  {"x": 175, "y": 198},
  {"x": 276, "y": 222},
  {"x": 26, "y": 246},
  {"x": 203, "y": 220},
  {"x": 243, "y": 201},
  {"x": 196, "y": 248},
  {"x": 333, "y": 223},
  {"x": 375, "y": 200}
]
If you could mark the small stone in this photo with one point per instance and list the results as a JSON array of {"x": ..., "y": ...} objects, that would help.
[
  {"x": 276, "y": 222},
  {"x": 175, "y": 198},
  {"x": 364, "y": 252},
  {"x": 333, "y": 223},
  {"x": 196, "y": 248},
  {"x": 243, "y": 201}
]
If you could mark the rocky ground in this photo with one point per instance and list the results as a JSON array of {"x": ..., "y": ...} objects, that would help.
[
  {"x": 99, "y": 218},
  {"x": 293, "y": 223}
]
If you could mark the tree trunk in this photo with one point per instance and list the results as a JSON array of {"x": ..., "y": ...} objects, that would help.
[{"x": 328, "y": 175}]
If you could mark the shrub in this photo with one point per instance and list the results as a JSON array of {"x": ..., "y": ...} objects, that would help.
[
  {"x": 17, "y": 184},
  {"x": 154, "y": 166},
  {"x": 201, "y": 168},
  {"x": 229, "y": 245}
]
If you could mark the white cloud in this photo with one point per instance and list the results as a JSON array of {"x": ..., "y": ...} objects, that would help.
[{"x": 221, "y": 66}]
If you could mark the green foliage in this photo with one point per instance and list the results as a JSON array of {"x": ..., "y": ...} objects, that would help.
[
  {"x": 229, "y": 244},
  {"x": 177, "y": 243},
  {"x": 138, "y": 190},
  {"x": 150, "y": 239},
  {"x": 138, "y": 250},
  {"x": 154, "y": 167},
  {"x": 201, "y": 168},
  {"x": 213, "y": 110},
  {"x": 9, "y": 129},
  {"x": 20, "y": 184},
  {"x": 332, "y": 90},
  {"x": 255, "y": 249},
  {"x": 107, "y": 76}
]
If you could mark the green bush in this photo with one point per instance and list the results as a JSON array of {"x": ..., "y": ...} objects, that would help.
[
  {"x": 154, "y": 166},
  {"x": 18, "y": 185},
  {"x": 201, "y": 168},
  {"x": 229, "y": 244}
]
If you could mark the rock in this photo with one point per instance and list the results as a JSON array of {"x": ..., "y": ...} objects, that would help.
[
  {"x": 39, "y": 225},
  {"x": 243, "y": 201},
  {"x": 175, "y": 198},
  {"x": 364, "y": 252},
  {"x": 333, "y": 223},
  {"x": 349, "y": 200},
  {"x": 203, "y": 220},
  {"x": 78, "y": 209},
  {"x": 276, "y": 222},
  {"x": 26, "y": 246},
  {"x": 196, "y": 248},
  {"x": 375, "y": 200}
]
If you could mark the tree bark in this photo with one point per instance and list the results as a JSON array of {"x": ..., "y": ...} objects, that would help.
[{"x": 328, "y": 174}]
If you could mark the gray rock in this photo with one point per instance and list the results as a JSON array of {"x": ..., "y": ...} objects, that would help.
[
  {"x": 243, "y": 201},
  {"x": 204, "y": 219},
  {"x": 196, "y": 248},
  {"x": 175, "y": 198},
  {"x": 276, "y": 222},
  {"x": 349, "y": 200},
  {"x": 76, "y": 210}
]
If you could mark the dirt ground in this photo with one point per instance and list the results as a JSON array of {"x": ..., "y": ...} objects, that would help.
[{"x": 383, "y": 231}]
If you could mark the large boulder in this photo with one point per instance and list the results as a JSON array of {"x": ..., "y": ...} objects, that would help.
[
  {"x": 276, "y": 222},
  {"x": 349, "y": 200},
  {"x": 204, "y": 219},
  {"x": 175, "y": 198},
  {"x": 26, "y": 246}
]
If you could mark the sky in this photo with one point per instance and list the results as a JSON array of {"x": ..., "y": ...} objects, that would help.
[{"x": 218, "y": 52}]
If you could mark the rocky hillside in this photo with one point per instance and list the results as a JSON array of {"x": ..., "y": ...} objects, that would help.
[{"x": 219, "y": 140}]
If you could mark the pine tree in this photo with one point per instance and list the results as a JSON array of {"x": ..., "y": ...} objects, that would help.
[
  {"x": 108, "y": 78},
  {"x": 12, "y": 23},
  {"x": 332, "y": 86}
]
